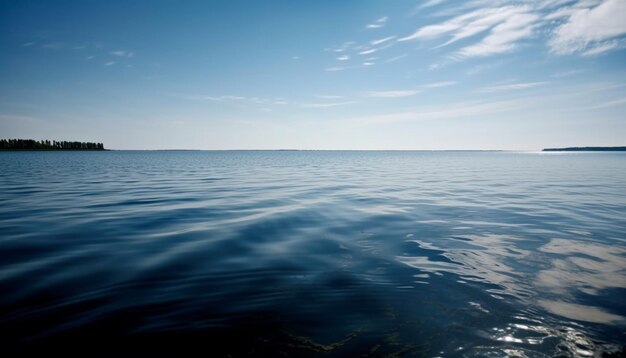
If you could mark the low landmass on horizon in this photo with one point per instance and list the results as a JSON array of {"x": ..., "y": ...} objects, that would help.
[
  {"x": 30, "y": 144},
  {"x": 586, "y": 149}
]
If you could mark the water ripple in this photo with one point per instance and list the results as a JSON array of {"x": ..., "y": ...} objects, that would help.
[{"x": 313, "y": 253}]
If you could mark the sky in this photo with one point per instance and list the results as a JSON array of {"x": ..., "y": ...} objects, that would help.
[{"x": 324, "y": 74}]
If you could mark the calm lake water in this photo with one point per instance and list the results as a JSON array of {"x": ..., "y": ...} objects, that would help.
[{"x": 255, "y": 253}]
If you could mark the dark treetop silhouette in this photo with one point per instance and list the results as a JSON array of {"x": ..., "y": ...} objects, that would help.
[
  {"x": 586, "y": 149},
  {"x": 30, "y": 144}
]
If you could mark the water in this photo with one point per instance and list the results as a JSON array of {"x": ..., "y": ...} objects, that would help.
[{"x": 417, "y": 254}]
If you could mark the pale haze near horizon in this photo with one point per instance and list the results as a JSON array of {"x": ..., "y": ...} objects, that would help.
[{"x": 437, "y": 74}]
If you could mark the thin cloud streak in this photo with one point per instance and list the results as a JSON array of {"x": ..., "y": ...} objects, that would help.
[
  {"x": 378, "y": 24},
  {"x": 459, "y": 110},
  {"x": 383, "y": 40},
  {"x": 327, "y": 105},
  {"x": 123, "y": 53},
  {"x": 512, "y": 87},
  {"x": 231, "y": 98},
  {"x": 395, "y": 58},
  {"x": 566, "y": 73},
  {"x": 367, "y": 52},
  {"x": 393, "y": 94},
  {"x": 431, "y": 3},
  {"x": 613, "y": 103},
  {"x": 440, "y": 84}
]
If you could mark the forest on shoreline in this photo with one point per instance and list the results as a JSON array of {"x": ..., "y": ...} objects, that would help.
[
  {"x": 30, "y": 144},
  {"x": 586, "y": 149}
]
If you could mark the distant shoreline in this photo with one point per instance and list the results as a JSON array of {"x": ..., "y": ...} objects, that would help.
[
  {"x": 586, "y": 149},
  {"x": 47, "y": 145},
  {"x": 97, "y": 147},
  {"x": 54, "y": 150}
]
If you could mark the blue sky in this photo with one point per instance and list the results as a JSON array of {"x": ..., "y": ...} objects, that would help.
[{"x": 350, "y": 74}]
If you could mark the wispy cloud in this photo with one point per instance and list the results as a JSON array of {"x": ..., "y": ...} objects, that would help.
[
  {"x": 393, "y": 94},
  {"x": 352, "y": 49},
  {"x": 232, "y": 98},
  {"x": 430, "y": 3},
  {"x": 480, "y": 68},
  {"x": 330, "y": 97},
  {"x": 123, "y": 53},
  {"x": 608, "y": 104},
  {"x": 454, "y": 110},
  {"x": 497, "y": 19},
  {"x": 468, "y": 24},
  {"x": 395, "y": 58},
  {"x": 584, "y": 27},
  {"x": 440, "y": 84},
  {"x": 409, "y": 92},
  {"x": 110, "y": 63},
  {"x": 504, "y": 27},
  {"x": 295, "y": 57},
  {"x": 566, "y": 73},
  {"x": 504, "y": 37},
  {"x": 378, "y": 23},
  {"x": 343, "y": 47},
  {"x": 588, "y": 28},
  {"x": 436, "y": 66},
  {"x": 215, "y": 98},
  {"x": 512, "y": 86},
  {"x": 601, "y": 48},
  {"x": 383, "y": 40},
  {"x": 326, "y": 105},
  {"x": 367, "y": 52}
]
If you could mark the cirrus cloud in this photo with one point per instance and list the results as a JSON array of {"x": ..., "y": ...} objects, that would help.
[
  {"x": 393, "y": 94},
  {"x": 583, "y": 27},
  {"x": 590, "y": 30},
  {"x": 378, "y": 23}
]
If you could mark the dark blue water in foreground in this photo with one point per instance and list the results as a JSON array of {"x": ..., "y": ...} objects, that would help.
[{"x": 418, "y": 254}]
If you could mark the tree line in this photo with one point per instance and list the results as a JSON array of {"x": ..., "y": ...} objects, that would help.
[{"x": 30, "y": 144}]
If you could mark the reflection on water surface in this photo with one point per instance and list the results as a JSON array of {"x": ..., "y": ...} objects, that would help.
[{"x": 314, "y": 253}]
